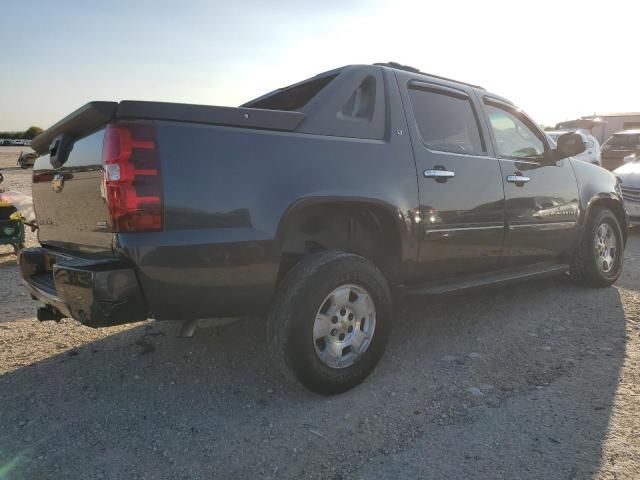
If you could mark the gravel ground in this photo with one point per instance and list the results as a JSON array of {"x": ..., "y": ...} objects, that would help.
[{"x": 538, "y": 380}]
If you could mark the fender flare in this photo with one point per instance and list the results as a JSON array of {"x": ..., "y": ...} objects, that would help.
[
  {"x": 610, "y": 199},
  {"x": 404, "y": 227}
]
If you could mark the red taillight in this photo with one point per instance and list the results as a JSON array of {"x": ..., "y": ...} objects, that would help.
[{"x": 133, "y": 186}]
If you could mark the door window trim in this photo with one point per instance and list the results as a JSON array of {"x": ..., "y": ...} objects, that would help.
[
  {"x": 415, "y": 84},
  {"x": 435, "y": 88}
]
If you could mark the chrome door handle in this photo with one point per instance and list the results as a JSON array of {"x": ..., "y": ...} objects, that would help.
[
  {"x": 439, "y": 174},
  {"x": 517, "y": 179}
]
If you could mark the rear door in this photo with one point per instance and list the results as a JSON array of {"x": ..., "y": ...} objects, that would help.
[
  {"x": 541, "y": 197},
  {"x": 461, "y": 222}
]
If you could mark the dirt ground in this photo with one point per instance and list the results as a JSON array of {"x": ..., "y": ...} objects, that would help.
[{"x": 536, "y": 381}]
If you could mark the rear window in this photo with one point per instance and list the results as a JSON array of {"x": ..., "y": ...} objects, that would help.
[
  {"x": 624, "y": 140},
  {"x": 447, "y": 123},
  {"x": 292, "y": 98}
]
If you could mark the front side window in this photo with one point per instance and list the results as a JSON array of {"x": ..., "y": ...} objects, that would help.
[
  {"x": 447, "y": 123},
  {"x": 513, "y": 137}
]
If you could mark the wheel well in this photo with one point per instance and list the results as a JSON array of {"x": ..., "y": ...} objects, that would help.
[
  {"x": 368, "y": 230},
  {"x": 617, "y": 210}
]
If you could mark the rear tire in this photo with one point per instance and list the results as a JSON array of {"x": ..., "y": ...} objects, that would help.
[
  {"x": 330, "y": 321},
  {"x": 599, "y": 256}
]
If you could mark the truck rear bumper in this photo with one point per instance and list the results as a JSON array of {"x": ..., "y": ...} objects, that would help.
[{"x": 96, "y": 292}]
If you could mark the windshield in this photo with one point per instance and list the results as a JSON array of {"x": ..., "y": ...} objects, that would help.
[{"x": 624, "y": 140}]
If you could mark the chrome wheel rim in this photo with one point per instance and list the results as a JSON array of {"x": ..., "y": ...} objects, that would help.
[
  {"x": 344, "y": 326},
  {"x": 605, "y": 247}
]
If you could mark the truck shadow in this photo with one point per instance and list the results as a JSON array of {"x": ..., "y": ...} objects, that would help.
[{"x": 144, "y": 403}]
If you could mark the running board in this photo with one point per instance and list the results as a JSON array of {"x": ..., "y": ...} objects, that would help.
[{"x": 471, "y": 282}]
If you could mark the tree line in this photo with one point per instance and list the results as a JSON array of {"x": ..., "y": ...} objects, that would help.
[{"x": 29, "y": 134}]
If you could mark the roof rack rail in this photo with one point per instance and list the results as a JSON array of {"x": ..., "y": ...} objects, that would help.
[{"x": 407, "y": 68}]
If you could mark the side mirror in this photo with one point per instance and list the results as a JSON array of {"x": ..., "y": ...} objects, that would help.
[{"x": 568, "y": 145}]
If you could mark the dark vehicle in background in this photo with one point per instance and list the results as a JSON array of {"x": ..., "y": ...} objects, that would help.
[
  {"x": 26, "y": 159},
  {"x": 309, "y": 205},
  {"x": 618, "y": 146}
]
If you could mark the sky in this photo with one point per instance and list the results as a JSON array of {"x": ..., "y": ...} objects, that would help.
[{"x": 557, "y": 60}]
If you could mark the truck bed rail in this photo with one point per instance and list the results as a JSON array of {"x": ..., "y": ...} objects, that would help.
[{"x": 94, "y": 115}]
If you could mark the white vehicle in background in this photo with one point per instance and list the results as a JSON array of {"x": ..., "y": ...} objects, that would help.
[
  {"x": 18, "y": 142},
  {"x": 592, "y": 154},
  {"x": 629, "y": 175}
]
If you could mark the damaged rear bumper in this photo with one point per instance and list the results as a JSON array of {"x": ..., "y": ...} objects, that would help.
[{"x": 96, "y": 292}]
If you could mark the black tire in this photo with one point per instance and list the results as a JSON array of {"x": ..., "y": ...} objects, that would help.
[
  {"x": 293, "y": 311},
  {"x": 24, "y": 166},
  {"x": 585, "y": 268}
]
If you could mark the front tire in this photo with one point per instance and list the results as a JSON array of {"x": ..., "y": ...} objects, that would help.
[
  {"x": 599, "y": 257},
  {"x": 330, "y": 321}
]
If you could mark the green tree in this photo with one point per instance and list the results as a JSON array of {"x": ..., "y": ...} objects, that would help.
[
  {"x": 31, "y": 133},
  {"x": 10, "y": 134}
]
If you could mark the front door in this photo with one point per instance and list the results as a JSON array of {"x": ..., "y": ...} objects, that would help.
[
  {"x": 459, "y": 182},
  {"x": 541, "y": 196}
]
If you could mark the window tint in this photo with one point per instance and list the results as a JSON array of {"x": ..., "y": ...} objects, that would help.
[
  {"x": 513, "y": 137},
  {"x": 447, "y": 123},
  {"x": 361, "y": 103}
]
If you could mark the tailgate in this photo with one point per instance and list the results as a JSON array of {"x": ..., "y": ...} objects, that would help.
[{"x": 69, "y": 204}]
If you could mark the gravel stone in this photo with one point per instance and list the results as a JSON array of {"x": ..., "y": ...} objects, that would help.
[{"x": 475, "y": 392}]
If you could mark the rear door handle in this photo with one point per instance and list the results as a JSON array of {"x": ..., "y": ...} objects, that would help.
[
  {"x": 439, "y": 174},
  {"x": 517, "y": 179}
]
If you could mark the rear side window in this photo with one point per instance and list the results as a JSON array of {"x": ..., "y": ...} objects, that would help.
[
  {"x": 292, "y": 98},
  {"x": 447, "y": 122}
]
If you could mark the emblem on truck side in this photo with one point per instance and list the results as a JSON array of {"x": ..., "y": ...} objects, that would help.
[{"x": 57, "y": 184}]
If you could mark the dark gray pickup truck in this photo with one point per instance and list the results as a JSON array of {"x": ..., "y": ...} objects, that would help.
[{"x": 310, "y": 205}]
